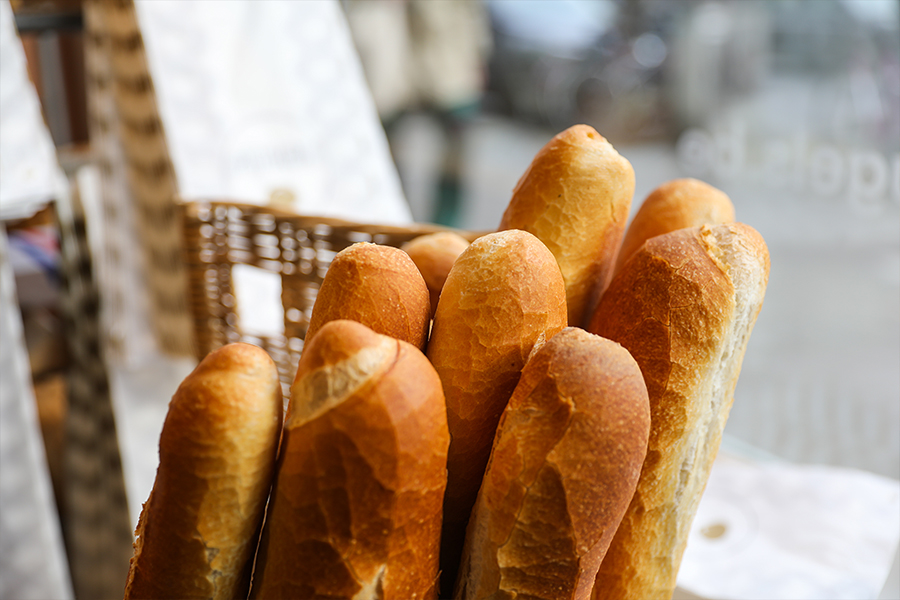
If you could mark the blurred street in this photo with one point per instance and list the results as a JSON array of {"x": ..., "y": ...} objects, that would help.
[
  {"x": 795, "y": 114},
  {"x": 820, "y": 377}
]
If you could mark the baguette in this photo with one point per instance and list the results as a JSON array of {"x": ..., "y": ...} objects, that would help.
[
  {"x": 504, "y": 296},
  {"x": 575, "y": 197},
  {"x": 356, "y": 505},
  {"x": 684, "y": 306},
  {"x": 563, "y": 468},
  {"x": 378, "y": 286},
  {"x": 434, "y": 255},
  {"x": 198, "y": 531},
  {"x": 676, "y": 204}
]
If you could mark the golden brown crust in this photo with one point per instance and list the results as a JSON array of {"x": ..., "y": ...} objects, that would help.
[
  {"x": 676, "y": 204},
  {"x": 563, "y": 468},
  {"x": 576, "y": 197},
  {"x": 356, "y": 507},
  {"x": 378, "y": 286},
  {"x": 504, "y": 296},
  {"x": 684, "y": 306},
  {"x": 198, "y": 531},
  {"x": 434, "y": 255}
]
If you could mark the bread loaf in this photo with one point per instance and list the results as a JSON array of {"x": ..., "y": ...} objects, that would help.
[
  {"x": 676, "y": 204},
  {"x": 434, "y": 255},
  {"x": 564, "y": 465},
  {"x": 684, "y": 306},
  {"x": 576, "y": 197},
  {"x": 198, "y": 531},
  {"x": 503, "y": 296},
  {"x": 378, "y": 286},
  {"x": 356, "y": 505}
]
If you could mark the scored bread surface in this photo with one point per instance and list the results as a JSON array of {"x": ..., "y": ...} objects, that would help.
[
  {"x": 684, "y": 306},
  {"x": 378, "y": 286},
  {"x": 504, "y": 296},
  {"x": 434, "y": 255},
  {"x": 575, "y": 197},
  {"x": 563, "y": 468},
  {"x": 356, "y": 506},
  {"x": 676, "y": 204},
  {"x": 198, "y": 531}
]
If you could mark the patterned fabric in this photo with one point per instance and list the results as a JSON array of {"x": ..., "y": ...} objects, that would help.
[
  {"x": 118, "y": 261},
  {"x": 32, "y": 559},
  {"x": 97, "y": 524},
  {"x": 32, "y": 556},
  {"x": 132, "y": 126}
]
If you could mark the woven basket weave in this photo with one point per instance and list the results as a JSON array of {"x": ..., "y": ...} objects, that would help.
[{"x": 218, "y": 235}]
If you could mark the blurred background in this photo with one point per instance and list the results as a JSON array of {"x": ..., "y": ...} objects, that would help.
[{"x": 792, "y": 107}]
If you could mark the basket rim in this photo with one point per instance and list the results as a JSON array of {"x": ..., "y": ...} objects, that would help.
[{"x": 192, "y": 207}]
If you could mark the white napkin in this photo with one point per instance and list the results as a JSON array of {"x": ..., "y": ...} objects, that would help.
[
  {"x": 272, "y": 106},
  {"x": 32, "y": 556},
  {"x": 771, "y": 529},
  {"x": 30, "y": 175}
]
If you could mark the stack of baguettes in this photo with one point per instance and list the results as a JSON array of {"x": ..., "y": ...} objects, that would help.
[{"x": 534, "y": 414}]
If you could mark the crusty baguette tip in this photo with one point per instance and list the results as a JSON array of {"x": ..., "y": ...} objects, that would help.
[
  {"x": 356, "y": 505},
  {"x": 564, "y": 466},
  {"x": 683, "y": 305},
  {"x": 198, "y": 531}
]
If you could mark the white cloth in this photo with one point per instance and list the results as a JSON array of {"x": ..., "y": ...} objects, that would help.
[
  {"x": 779, "y": 530},
  {"x": 32, "y": 558},
  {"x": 30, "y": 175},
  {"x": 272, "y": 105}
]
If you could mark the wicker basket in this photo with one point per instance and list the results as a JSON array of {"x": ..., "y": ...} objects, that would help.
[{"x": 219, "y": 235}]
